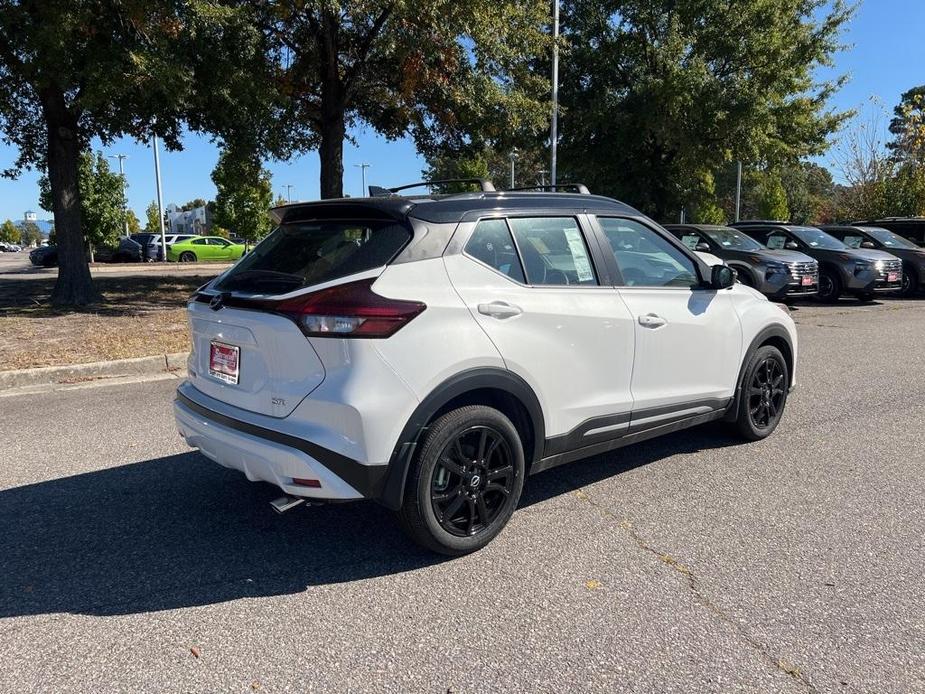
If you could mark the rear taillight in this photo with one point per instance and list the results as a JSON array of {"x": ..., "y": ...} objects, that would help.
[{"x": 350, "y": 310}]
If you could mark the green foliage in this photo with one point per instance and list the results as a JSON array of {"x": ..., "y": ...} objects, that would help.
[
  {"x": 280, "y": 201},
  {"x": 102, "y": 199},
  {"x": 134, "y": 225},
  {"x": 31, "y": 234},
  {"x": 9, "y": 232},
  {"x": 439, "y": 70},
  {"x": 655, "y": 93},
  {"x": 486, "y": 162},
  {"x": 908, "y": 127},
  {"x": 772, "y": 198},
  {"x": 193, "y": 204},
  {"x": 217, "y": 230},
  {"x": 810, "y": 193},
  {"x": 244, "y": 194},
  {"x": 152, "y": 218}
]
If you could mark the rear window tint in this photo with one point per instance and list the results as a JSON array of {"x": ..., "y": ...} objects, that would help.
[{"x": 305, "y": 254}]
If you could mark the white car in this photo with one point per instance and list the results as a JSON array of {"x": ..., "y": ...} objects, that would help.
[{"x": 432, "y": 352}]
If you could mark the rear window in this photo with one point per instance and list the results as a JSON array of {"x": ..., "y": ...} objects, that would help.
[{"x": 309, "y": 253}]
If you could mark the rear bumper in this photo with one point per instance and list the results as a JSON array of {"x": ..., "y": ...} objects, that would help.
[{"x": 270, "y": 456}]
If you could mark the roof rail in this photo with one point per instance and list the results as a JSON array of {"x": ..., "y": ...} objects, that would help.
[
  {"x": 484, "y": 184},
  {"x": 573, "y": 187}
]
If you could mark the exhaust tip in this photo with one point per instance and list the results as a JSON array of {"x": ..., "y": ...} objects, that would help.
[{"x": 286, "y": 503}]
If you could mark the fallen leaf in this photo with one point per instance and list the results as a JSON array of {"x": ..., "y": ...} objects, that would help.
[
  {"x": 593, "y": 584},
  {"x": 195, "y": 651}
]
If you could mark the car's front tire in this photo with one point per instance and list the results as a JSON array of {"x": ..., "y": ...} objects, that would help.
[
  {"x": 829, "y": 286},
  {"x": 764, "y": 394},
  {"x": 910, "y": 283},
  {"x": 465, "y": 481}
]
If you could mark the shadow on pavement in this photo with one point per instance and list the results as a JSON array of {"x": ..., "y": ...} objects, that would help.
[{"x": 181, "y": 531}]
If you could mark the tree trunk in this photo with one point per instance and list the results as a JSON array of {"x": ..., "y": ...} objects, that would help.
[
  {"x": 74, "y": 286},
  {"x": 331, "y": 153},
  {"x": 333, "y": 128}
]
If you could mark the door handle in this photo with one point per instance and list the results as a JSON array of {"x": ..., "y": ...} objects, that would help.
[
  {"x": 500, "y": 309},
  {"x": 651, "y": 320}
]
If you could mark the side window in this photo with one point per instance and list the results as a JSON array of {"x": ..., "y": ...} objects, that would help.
[
  {"x": 492, "y": 244},
  {"x": 776, "y": 241},
  {"x": 553, "y": 251},
  {"x": 852, "y": 241},
  {"x": 646, "y": 259},
  {"x": 691, "y": 240},
  {"x": 199, "y": 242}
]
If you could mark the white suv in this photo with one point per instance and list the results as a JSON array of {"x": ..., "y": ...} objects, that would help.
[{"x": 431, "y": 352}]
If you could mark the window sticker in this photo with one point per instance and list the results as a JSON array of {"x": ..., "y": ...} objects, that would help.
[{"x": 577, "y": 247}]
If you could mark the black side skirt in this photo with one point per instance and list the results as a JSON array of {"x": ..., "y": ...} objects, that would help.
[{"x": 368, "y": 480}]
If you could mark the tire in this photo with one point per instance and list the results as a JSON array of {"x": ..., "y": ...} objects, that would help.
[
  {"x": 764, "y": 394},
  {"x": 829, "y": 286},
  {"x": 910, "y": 284},
  {"x": 459, "y": 508},
  {"x": 187, "y": 257}
]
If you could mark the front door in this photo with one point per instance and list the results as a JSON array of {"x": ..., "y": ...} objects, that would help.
[{"x": 688, "y": 338}]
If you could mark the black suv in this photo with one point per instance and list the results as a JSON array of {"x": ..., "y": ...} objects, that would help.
[
  {"x": 912, "y": 256},
  {"x": 777, "y": 274},
  {"x": 910, "y": 228},
  {"x": 858, "y": 271}
]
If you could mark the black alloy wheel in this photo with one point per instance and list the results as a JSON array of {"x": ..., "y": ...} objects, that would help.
[
  {"x": 472, "y": 481},
  {"x": 766, "y": 393}
]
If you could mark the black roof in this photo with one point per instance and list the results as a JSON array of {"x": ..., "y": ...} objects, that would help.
[
  {"x": 449, "y": 208},
  {"x": 698, "y": 227}
]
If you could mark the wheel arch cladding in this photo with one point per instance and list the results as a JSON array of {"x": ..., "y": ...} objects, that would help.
[{"x": 498, "y": 388}]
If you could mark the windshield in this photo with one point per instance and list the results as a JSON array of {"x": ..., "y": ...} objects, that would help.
[
  {"x": 301, "y": 255},
  {"x": 732, "y": 239},
  {"x": 816, "y": 238},
  {"x": 889, "y": 239}
]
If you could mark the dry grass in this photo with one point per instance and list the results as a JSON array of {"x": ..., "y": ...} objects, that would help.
[{"x": 141, "y": 316}]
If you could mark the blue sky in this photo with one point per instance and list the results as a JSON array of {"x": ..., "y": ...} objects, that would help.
[{"x": 884, "y": 59}]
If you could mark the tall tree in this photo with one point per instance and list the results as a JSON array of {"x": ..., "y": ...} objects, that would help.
[
  {"x": 908, "y": 127},
  {"x": 244, "y": 193},
  {"x": 9, "y": 232},
  {"x": 72, "y": 70},
  {"x": 102, "y": 199},
  {"x": 658, "y": 93},
  {"x": 432, "y": 68},
  {"x": 132, "y": 222},
  {"x": 30, "y": 234},
  {"x": 152, "y": 218}
]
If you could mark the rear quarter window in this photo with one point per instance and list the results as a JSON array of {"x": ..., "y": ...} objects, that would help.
[{"x": 308, "y": 253}]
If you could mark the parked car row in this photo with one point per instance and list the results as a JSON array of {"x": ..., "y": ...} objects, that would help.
[
  {"x": 790, "y": 261},
  {"x": 146, "y": 247},
  {"x": 9, "y": 247}
]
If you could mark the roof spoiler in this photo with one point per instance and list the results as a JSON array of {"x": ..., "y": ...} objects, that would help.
[
  {"x": 484, "y": 185},
  {"x": 580, "y": 188}
]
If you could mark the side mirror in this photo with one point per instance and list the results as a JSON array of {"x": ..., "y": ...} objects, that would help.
[
  {"x": 722, "y": 277},
  {"x": 702, "y": 247},
  {"x": 791, "y": 246},
  {"x": 867, "y": 244}
]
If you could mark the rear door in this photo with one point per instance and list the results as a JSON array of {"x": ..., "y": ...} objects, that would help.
[
  {"x": 533, "y": 285},
  {"x": 687, "y": 338}
]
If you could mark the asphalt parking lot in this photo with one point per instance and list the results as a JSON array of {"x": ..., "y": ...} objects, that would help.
[{"x": 691, "y": 563}]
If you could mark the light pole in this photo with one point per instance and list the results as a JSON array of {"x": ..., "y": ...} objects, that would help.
[
  {"x": 289, "y": 188},
  {"x": 513, "y": 159},
  {"x": 160, "y": 197},
  {"x": 554, "y": 129},
  {"x": 362, "y": 167},
  {"x": 739, "y": 190},
  {"x": 122, "y": 158}
]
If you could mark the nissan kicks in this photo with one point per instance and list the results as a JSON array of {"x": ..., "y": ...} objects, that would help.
[{"x": 432, "y": 352}]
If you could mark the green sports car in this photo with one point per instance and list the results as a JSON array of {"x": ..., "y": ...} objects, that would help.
[{"x": 204, "y": 248}]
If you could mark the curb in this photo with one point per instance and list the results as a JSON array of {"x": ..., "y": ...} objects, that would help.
[{"x": 76, "y": 373}]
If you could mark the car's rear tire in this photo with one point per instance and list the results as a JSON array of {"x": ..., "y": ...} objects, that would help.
[
  {"x": 187, "y": 257},
  {"x": 764, "y": 394},
  {"x": 829, "y": 286},
  {"x": 910, "y": 283},
  {"x": 465, "y": 481}
]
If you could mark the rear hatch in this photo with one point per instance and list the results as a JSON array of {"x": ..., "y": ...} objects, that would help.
[{"x": 249, "y": 353}]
